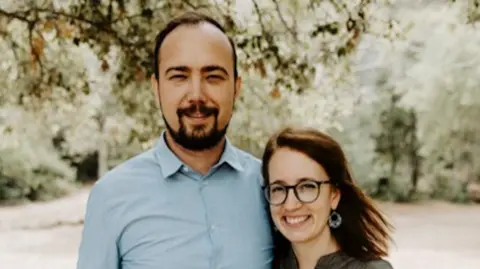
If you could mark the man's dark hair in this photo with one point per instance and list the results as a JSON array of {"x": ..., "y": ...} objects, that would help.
[{"x": 189, "y": 18}]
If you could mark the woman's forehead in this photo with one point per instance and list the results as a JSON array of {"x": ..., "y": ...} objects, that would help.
[{"x": 291, "y": 166}]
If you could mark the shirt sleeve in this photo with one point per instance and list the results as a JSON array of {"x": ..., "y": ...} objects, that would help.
[{"x": 98, "y": 246}]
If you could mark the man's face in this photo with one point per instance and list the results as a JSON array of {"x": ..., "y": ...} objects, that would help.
[{"x": 196, "y": 87}]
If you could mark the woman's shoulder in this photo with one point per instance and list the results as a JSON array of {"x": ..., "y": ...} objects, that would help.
[
  {"x": 344, "y": 261},
  {"x": 348, "y": 262},
  {"x": 378, "y": 264}
]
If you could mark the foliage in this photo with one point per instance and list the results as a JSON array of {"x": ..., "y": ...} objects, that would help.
[
  {"x": 29, "y": 166},
  {"x": 435, "y": 74},
  {"x": 77, "y": 73}
]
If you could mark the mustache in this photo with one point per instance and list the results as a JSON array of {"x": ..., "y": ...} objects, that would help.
[{"x": 197, "y": 108}]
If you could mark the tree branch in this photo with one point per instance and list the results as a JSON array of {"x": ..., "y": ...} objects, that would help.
[
  {"x": 33, "y": 47},
  {"x": 282, "y": 19},
  {"x": 193, "y": 6},
  {"x": 142, "y": 14},
  {"x": 13, "y": 44},
  {"x": 102, "y": 26},
  {"x": 268, "y": 37},
  {"x": 14, "y": 15}
]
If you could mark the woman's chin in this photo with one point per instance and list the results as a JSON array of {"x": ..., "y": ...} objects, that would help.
[{"x": 298, "y": 238}]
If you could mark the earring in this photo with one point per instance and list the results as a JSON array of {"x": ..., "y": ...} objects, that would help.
[{"x": 334, "y": 220}]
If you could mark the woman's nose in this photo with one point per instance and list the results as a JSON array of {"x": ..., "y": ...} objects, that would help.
[{"x": 292, "y": 201}]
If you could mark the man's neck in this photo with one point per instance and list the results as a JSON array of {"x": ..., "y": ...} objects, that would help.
[
  {"x": 200, "y": 161},
  {"x": 308, "y": 253}
]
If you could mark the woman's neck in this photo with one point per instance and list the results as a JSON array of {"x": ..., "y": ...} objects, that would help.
[{"x": 308, "y": 253}]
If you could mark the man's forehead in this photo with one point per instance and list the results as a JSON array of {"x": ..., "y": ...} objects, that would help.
[{"x": 196, "y": 43}]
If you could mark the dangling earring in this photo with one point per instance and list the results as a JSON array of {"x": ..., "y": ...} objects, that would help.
[{"x": 334, "y": 220}]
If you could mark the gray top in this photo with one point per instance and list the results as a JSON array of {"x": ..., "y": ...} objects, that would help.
[{"x": 336, "y": 260}]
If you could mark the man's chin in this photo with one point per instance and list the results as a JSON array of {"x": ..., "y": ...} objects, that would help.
[
  {"x": 198, "y": 130},
  {"x": 197, "y": 137},
  {"x": 198, "y": 143},
  {"x": 200, "y": 139}
]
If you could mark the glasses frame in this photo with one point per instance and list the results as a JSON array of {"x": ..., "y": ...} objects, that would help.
[{"x": 319, "y": 183}]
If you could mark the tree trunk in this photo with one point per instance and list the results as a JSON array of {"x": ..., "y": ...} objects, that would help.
[
  {"x": 414, "y": 158},
  {"x": 102, "y": 149}
]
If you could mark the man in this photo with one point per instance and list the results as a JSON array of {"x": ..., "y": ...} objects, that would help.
[{"x": 194, "y": 200}]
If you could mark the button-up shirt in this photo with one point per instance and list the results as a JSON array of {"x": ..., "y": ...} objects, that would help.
[{"x": 154, "y": 212}]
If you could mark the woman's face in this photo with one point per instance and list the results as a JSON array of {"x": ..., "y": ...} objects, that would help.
[{"x": 300, "y": 222}]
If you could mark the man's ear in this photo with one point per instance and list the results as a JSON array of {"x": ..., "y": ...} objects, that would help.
[
  {"x": 238, "y": 87},
  {"x": 156, "y": 90}
]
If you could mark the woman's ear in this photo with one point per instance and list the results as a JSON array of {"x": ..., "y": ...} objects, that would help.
[{"x": 335, "y": 196}]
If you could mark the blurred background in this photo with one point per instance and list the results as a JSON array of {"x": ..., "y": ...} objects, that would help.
[{"x": 396, "y": 82}]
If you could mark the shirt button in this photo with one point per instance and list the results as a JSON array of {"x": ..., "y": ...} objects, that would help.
[{"x": 185, "y": 169}]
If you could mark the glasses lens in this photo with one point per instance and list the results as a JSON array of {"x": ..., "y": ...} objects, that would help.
[
  {"x": 276, "y": 194},
  {"x": 307, "y": 191}
]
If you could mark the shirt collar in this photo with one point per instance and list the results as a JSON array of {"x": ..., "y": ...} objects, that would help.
[
  {"x": 230, "y": 156},
  {"x": 170, "y": 163}
]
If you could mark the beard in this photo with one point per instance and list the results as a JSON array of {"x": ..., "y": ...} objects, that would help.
[{"x": 200, "y": 138}]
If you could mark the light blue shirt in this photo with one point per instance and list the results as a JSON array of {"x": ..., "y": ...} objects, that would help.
[{"x": 154, "y": 212}]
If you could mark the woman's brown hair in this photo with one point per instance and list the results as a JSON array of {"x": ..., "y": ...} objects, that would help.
[{"x": 364, "y": 233}]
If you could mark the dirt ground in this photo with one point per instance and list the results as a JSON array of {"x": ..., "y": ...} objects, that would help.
[{"x": 428, "y": 236}]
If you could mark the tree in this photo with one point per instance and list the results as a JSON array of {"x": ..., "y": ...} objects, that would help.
[
  {"x": 280, "y": 50},
  {"x": 438, "y": 81}
]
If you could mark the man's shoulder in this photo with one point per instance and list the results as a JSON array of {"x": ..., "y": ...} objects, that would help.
[
  {"x": 137, "y": 168},
  {"x": 248, "y": 160},
  {"x": 252, "y": 166}
]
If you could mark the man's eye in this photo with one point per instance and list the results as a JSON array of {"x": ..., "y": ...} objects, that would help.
[
  {"x": 178, "y": 77},
  {"x": 214, "y": 77}
]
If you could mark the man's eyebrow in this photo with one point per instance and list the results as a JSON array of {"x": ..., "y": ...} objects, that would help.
[
  {"x": 205, "y": 69},
  {"x": 211, "y": 68},
  {"x": 177, "y": 68}
]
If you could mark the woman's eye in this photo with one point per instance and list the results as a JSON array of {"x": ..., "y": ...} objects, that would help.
[
  {"x": 276, "y": 189},
  {"x": 308, "y": 186}
]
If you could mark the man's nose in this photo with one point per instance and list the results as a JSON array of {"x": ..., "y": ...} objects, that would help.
[{"x": 196, "y": 89}]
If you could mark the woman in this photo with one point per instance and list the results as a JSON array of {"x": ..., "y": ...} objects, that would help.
[{"x": 322, "y": 219}]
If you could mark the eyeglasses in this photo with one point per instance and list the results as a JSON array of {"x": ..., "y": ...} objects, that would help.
[{"x": 306, "y": 191}]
